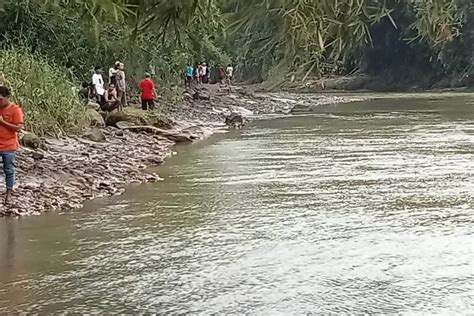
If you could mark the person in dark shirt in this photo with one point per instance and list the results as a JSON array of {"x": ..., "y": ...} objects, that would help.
[{"x": 85, "y": 92}]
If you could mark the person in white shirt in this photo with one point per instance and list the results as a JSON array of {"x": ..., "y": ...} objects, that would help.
[
  {"x": 203, "y": 73},
  {"x": 229, "y": 72},
  {"x": 98, "y": 83},
  {"x": 113, "y": 72}
]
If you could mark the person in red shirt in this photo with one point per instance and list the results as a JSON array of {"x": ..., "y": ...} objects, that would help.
[
  {"x": 11, "y": 122},
  {"x": 147, "y": 93}
]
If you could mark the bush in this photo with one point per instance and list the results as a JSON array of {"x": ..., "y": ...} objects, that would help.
[{"x": 48, "y": 98}]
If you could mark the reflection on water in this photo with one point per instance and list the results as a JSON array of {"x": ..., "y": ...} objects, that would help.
[{"x": 362, "y": 208}]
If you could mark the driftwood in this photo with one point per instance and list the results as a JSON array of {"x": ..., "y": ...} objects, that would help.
[{"x": 173, "y": 135}]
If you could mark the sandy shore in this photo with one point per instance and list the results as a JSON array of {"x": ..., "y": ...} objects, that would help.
[{"x": 68, "y": 171}]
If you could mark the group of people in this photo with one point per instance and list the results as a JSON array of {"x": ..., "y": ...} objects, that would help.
[
  {"x": 113, "y": 96},
  {"x": 110, "y": 97},
  {"x": 201, "y": 73}
]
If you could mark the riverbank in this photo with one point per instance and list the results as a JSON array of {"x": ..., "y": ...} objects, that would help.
[
  {"x": 65, "y": 172},
  {"x": 365, "y": 83}
]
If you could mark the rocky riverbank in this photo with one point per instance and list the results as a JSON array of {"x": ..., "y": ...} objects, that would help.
[{"x": 62, "y": 173}]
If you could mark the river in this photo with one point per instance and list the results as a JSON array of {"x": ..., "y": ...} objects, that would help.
[{"x": 357, "y": 208}]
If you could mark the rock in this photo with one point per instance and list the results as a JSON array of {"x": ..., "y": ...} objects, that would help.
[
  {"x": 234, "y": 120},
  {"x": 30, "y": 140},
  {"x": 200, "y": 93},
  {"x": 139, "y": 117},
  {"x": 188, "y": 95},
  {"x": 155, "y": 160},
  {"x": 96, "y": 120},
  {"x": 119, "y": 133},
  {"x": 300, "y": 107},
  {"x": 93, "y": 106},
  {"x": 123, "y": 124},
  {"x": 95, "y": 135},
  {"x": 37, "y": 155}
]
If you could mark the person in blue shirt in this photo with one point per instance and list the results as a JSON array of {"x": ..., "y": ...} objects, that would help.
[{"x": 189, "y": 75}]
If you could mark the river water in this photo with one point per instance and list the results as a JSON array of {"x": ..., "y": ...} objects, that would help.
[{"x": 358, "y": 208}]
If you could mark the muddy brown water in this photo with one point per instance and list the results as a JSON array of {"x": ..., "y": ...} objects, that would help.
[{"x": 358, "y": 208}]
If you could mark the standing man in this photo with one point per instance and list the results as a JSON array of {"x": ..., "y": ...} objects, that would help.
[
  {"x": 113, "y": 73},
  {"x": 229, "y": 73},
  {"x": 189, "y": 75},
  {"x": 11, "y": 121},
  {"x": 98, "y": 83},
  {"x": 221, "y": 74},
  {"x": 121, "y": 86},
  {"x": 147, "y": 92},
  {"x": 204, "y": 73}
]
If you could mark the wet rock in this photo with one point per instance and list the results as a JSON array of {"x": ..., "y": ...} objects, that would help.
[
  {"x": 155, "y": 160},
  {"x": 234, "y": 120},
  {"x": 96, "y": 120},
  {"x": 188, "y": 95},
  {"x": 30, "y": 140},
  {"x": 198, "y": 93},
  {"x": 95, "y": 135},
  {"x": 300, "y": 108},
  {"x": 37, "y": 155}
]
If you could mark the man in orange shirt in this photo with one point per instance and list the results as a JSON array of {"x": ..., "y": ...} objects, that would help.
[{"x": 11, "y": 121}]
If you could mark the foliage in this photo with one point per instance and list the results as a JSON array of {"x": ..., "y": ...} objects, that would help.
[
  {"x": 141, "y": 33},
  {"x": 156, "y": 36},
  {"x": 47, "y": 97},
  {"x": 335, "y": 36},
  {"x": 457, "y": 54},
  {"x": 394, "y": 39}
]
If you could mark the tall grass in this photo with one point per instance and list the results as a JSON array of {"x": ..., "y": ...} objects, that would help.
[{"x": 49, "y": 101}]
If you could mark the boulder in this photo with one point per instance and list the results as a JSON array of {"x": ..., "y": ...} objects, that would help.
[
  {"x": 96, "y": 120},
  {"x": 202, "y": 95},
  {"x": 95, "y": 135},
  {"x": 30, "y": 140},
  {"x": 139, "y": 117},
  {"x": 300, "y": 107},
  {"x": 37, "y": 155},
  {"x": 188, "y": 94},
  {"x": 198, "y": 93},
  {"x": 234, "y": 120},
  {"x": 93, "y": 106}
]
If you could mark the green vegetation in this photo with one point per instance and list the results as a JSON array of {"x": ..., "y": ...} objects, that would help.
[
  {"x": 409, "y": 41},
  {"x": 392, "y": 38},
  {"x": 44, "y": 92}
]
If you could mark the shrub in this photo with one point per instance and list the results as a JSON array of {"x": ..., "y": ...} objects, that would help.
[{"x": 48, "y": 98}]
